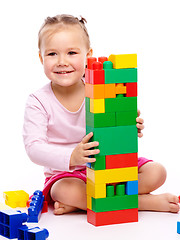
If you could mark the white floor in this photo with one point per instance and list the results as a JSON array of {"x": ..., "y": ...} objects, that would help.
[
  {"x": 74, "y": 226},
  {"x": 151, "y": 225}
]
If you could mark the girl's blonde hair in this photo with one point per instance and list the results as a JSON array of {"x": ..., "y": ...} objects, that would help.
[{"x": 52, "y": 25}]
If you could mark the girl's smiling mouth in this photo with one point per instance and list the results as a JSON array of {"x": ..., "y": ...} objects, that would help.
[{"x": 63, "y": 72}]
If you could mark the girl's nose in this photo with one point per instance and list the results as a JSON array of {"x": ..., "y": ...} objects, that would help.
[{"x": 62, "y": 61}]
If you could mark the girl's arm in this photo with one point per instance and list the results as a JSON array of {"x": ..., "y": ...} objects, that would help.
[{"x": 39, "y": 150}]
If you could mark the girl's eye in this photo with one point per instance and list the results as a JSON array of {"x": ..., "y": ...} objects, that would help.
[
  {"x": 52, "y": 54},
  {"x": 72, "y": 53}
]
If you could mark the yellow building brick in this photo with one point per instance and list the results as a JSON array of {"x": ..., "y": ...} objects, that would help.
[
  {"x": 16, "y": 198},
  {"x": 97, "y": 105},
  {"x": 112, "y": 175},
  {"x": 89, "y": 202},
  {"x": 95, "y": 190},
  {"x": 123, "y": 60}
]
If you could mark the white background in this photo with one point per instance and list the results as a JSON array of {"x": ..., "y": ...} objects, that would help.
[{"x": 148, "y": 28}]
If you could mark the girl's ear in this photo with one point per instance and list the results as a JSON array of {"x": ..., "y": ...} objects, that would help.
[
  {"x": 90, "y": 53},
  {"x": 40, "y": 57}
]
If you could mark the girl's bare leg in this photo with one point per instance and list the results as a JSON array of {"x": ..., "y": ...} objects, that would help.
[
  {"x": 151, "y": 176},
  {"x": 69, "y": 195}
]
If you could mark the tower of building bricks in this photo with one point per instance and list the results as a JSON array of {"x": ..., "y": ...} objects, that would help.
[{"x": 111, "y": 111}]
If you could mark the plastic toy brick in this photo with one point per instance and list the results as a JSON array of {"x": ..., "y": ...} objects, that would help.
[
  {"x": 36, "y": 206},
  {"x": 117, "y": 143},
  {"x": 120, "y": 75},
  {"x": 97, "y": 105},
  {"x": 87, "y": 104},
  {"x": 32, "y": 233},
  {"x": 115, "y": 140},
  {"x": 102, "y": 59},
  {"x": 88, "y": 165},
  {"x": 96, "y": 190},
  {"x": 94, "y": 72},
  {"x": 125, "y": 118},
  {"x": 178, "y": 227},
  {"x": 119, "y": 104},
  {"x": 114, "y": 203},
  {"x": 101, "y": 119},
  {"x": 10, "y": 221},
  {"x": 112, "y": 217},
  {"x": 45, "y": 207},
  {"x": 87, "y": 75},
  {"x": 22, "y": 232},
  {"x": 95, "y": 91},
  {"x": 123, "y": 60},
  {"x": 109, "y": 90},
  {"x": 90, "y": 61},
  {"x": 89, "y": 202},
  {"x": 88, "y": 90},
  {"x": 131, "y": 89},
  {"x": 97, "y": 73},
  {"x": 120, "y": 88},
  {"x": 120, "y": 189},
  {"x": 107, "y": 65},
  {"x": 112, "y": 175},
  {"x": 16, "y": 198},
  {"x": 132, "y": 187},
  {"x": 121, "y": 160},
  {"x": 110, "y": 191},
  {"x": 37, "y": 234},
  {"x": 99, "y": 164}
]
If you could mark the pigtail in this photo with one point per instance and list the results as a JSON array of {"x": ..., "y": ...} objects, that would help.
[{"x": 82, "y": 20}]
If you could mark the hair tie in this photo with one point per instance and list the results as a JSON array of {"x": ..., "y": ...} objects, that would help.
[{"x": 82, "y": 20}]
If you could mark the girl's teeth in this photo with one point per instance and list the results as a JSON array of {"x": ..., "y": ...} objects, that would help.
[{"x": 63, "y": 72}]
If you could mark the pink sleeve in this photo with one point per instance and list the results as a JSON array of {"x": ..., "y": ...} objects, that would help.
[{"x": 39, "y": 150}]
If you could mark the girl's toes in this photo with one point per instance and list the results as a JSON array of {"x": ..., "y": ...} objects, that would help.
[
  {"x": 174, "y": 208},
  {"x": 58, "y": 208}
]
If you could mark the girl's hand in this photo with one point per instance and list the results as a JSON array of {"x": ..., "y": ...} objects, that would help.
[
  {"x": 81, "y": 152},
  {"x": 139, "y": 125}
]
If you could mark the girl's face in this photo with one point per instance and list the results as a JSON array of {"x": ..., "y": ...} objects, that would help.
[{"x": 63, "y": 55}]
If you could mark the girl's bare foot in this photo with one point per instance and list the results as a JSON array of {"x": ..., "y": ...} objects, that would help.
[
  {"x": 60, "y": 208},
  {"x": 162, "y": 203}
]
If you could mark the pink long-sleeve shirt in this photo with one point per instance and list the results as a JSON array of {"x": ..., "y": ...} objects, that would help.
[{"x": 51, "y": 132}]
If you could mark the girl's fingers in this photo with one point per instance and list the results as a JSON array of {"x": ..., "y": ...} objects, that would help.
[
  {"x": 90, "y": 145},
  {"x": 90, "y": 160},
  {"x": 140, "y": 134},
  {"x": 139, "y": 113},
  {"x": 139, "y": 120},
  {"x": 140, "y": 126},
  {"x": 91, "y": 152},
  {"x": 87, "y": 138}
]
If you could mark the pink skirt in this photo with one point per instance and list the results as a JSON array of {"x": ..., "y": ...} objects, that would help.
[
  {"x": 51, "y": 180},
  {"x": 77, "y": 174}
]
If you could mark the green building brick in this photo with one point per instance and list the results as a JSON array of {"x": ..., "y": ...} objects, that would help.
[
  {"x": 100, "y": 163},
  {"x": 87, "y": 104},
  {"x": 120, "y": 189},
  {"x": 115, "y": 140},
  {"x": 125, "y": 118},
  {"x": 120, "y": 75},
  {"x": 121, "y": 104},
  {"x": 109, "y": 191},
  {"x": 100, "y": 119},
  {"x": 114, "y": 203}
]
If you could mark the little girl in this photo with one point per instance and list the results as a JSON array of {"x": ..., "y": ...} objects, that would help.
[{"x": 54, "y": 124}]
